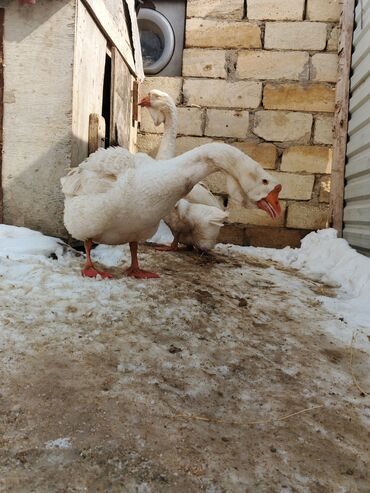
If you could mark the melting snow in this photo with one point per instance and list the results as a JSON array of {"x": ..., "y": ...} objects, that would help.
[
  {"x": 322, "y": 257},
  {"x": 59, "y": 443},
  {"x": 326, "y": 258}
]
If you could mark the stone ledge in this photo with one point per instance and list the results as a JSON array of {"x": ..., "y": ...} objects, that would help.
[{"x": 263, "y": 236}]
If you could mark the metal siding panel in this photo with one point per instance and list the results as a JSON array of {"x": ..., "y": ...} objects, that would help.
[
  {"x": 359, "y": 97},
  {"x": 361, "y": 50},
  {"x": 359, "y": 141},
  {"x": 357, "y": 190},
  {"x": 361, "y": 72},
  {"x": 358, "y": 238},
  {"x": 359, "y": 118},
  {"x": 358, "y": 165},
  {"x": 358, "y": 213}
]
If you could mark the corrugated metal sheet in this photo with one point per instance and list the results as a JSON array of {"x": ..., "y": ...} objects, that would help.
[{"x": 357, "y": 190}]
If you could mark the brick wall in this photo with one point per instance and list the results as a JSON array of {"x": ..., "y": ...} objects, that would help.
[{"x": 260, "y": 75}]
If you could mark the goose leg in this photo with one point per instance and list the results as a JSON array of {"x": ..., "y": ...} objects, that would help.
[
  {"x": 89, "y": 269},
  {"x": 170, "y": 248},
  {"x": 134, "y": 269}
]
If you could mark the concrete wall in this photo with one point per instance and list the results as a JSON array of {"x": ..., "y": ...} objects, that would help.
[{"x": 261, "y": 75}]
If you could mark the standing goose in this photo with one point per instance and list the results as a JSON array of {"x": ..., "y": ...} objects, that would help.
[
  {"x": 195, "y": 220},
  {"x": 115, "y": 197}
]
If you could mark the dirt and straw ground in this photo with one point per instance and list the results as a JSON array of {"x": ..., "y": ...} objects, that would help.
[{"x": 218, "y": 377}]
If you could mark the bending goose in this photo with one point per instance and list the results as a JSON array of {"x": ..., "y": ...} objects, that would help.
[
  {"x": 197, "y": 219},
  {"x": 115, "y": 197}
]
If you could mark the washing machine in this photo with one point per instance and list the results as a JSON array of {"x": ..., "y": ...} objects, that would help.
[{"x": 162, "y": 29}]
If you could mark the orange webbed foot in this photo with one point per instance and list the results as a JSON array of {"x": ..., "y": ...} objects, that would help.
[{"x": 91, "y": 272}]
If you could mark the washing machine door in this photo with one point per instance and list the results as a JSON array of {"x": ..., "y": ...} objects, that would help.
[{"x": 157, "y": 40}]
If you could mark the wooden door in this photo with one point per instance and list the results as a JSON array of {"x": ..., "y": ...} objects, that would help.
[
  {"x": 88, "y": 80},
  {"x": 121, "y": 102}
]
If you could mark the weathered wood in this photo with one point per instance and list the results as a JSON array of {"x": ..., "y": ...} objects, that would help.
[
  {"x": 120, "y": 101},
  {"x": 341, "y": 116},
  {"x": 136, "y": 40},
  {"x": 135, "y": 102},
  {"x": 115, "y": 29},
  {"x": 96, "y": 132},
  {"x": 88, "y": 80},
  {"x": 2, "y": 11},
  {"x": 38, "y": 46}
]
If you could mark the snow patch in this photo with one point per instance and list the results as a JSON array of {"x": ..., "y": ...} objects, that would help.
[
  {"x": 324, "y": 257},
  {"x": 61, "y": 443},
  {"x": 17, "y": 242}
]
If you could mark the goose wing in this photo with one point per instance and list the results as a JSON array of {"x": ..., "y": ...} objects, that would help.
[
  {"x": 98, "y": 173},
  {"x": 200, "y": 194}
]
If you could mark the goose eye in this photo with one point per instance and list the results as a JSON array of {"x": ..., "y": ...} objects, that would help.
[{"x": 265, "y": 182}]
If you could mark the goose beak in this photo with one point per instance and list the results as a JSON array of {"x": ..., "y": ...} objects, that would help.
[
  {"x": 145, "y": 101},
  {"x": 270, "y": 204}
]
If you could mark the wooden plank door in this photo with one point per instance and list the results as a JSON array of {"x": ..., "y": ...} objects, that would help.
[
  {"x": 121, "y": 102},
  {"x": 88, "y": 80}
]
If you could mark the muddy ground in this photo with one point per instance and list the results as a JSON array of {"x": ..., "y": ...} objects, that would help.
[{"x": 184, "y": 384}]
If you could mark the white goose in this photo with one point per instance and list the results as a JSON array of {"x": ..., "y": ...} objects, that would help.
[
  {"x": 115, "y": 197},
  {"x": 197, "y": 219}
]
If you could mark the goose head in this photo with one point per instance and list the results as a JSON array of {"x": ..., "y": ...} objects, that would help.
[
  {"x": 256, "y": 189},
  {"x": 159, "y": 104},
  {"x": 247, "y": 183}
]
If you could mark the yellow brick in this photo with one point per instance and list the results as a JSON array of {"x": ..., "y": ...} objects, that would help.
[
  {"x": 292, "y": 65},
  {"x": 307, "y": 216},
  {"x": 333, "y": 39},
  {"x": 220, "y": 93},
  {"x": 199, "y": 62},
  {"x": 209, "y": 33},
  {"x": 171, "y": 85},
  {"x": 325, "y": 189},
  {"x": 283, "y": 126},
  {"x": 148, "y": 143},
  {"x": 298, "y": 97},
  {"x": 324, "y": 67},
  {"x": 276, "y": 9},
  {"x": 232, "y": 9},
  {"x": 264, "y": 154},
  {"x": 255, "y": 216},
  {"x": 232, "y": 234},
  {"x": 189, "y": 122},
  {"x": 217, "y": 183},
  {"x": 184, "y": 144},
  {"x": 227, "y": 123},
  {"x": 323, "y": 133},
  {"x": 324, "y": 10},
  {"x": 295, "y": 187},
  {"x": 295, "y": 35},
  {"x": 312, "y": 159}
]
